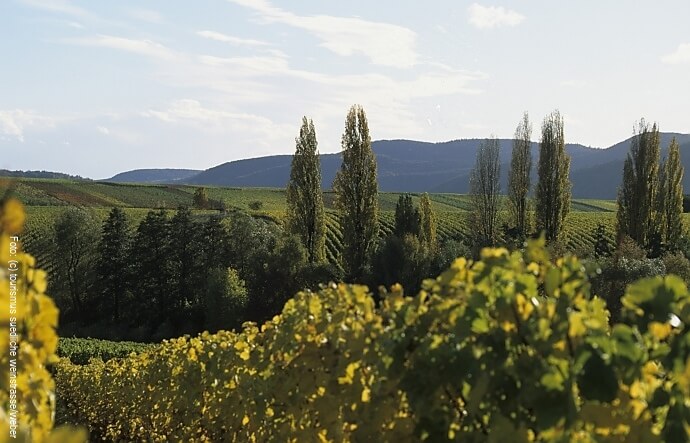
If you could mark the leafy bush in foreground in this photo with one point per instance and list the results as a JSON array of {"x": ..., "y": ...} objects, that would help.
[{"x": 509, "y": 348}]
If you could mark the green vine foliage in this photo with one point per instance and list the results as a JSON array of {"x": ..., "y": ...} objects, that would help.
[{"x": 512, "y": 347}]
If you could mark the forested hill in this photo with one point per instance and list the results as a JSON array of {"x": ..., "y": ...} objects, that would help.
[
  {"x": 412, "y": 166},
  {"x": 39, "y": 174}
]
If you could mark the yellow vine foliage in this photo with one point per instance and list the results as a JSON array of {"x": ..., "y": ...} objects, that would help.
[
  {"x": 28, "y": 319},
  {"x": 513, "y": 347}
]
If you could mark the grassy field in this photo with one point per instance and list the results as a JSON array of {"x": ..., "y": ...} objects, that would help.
[{"x": 47, "y": 198}]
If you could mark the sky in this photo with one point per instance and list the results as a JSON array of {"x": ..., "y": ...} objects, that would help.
[{"x": 99, "y": 87}]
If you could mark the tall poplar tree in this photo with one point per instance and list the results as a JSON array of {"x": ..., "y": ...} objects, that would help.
[
  {"x": 427, "y": 223},
  {"x": 305, "y": 213},
  {"x": 484, "y": 191},
  {"x": 519, "y": 175},
  {"x": 553, "y": 186},
  {"x": 638, "y": 205},
  {"x": 672, "y": 195},
  {"x": 356, "y": 194}
]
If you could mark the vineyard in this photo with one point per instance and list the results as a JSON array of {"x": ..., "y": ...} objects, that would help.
[
  {"x": 509, "y": 348},
  {"x": 512, "y": 347}
]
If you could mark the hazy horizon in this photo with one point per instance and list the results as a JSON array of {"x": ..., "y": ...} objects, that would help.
[{"x": 96, "y": 89}]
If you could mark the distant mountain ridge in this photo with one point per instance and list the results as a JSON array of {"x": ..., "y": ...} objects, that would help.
[{"x": 413, "y": 166}]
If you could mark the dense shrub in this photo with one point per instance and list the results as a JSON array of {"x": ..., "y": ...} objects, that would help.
[
  {"x": 676, "y": 263},
  {"x": 617, "y": 272}
]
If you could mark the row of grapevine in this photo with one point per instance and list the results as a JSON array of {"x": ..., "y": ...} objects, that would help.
[
  {"x": 509, "y": 348},
  {"x": 334, "y": 237},
  {"x": 581, "y": 227},
  {"x": 81, "y": 350}
]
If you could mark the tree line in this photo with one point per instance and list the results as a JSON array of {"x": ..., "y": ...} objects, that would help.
[
  {"x": 650, "y": 199},
  {"x": 174, "y": 274}
]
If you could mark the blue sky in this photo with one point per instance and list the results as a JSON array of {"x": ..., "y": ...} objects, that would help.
[{"x": 98, "y": 87}]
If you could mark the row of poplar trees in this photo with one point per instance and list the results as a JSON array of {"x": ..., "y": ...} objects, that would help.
[
  {"x": 650, "y": 199},
  {"x": 356, "y": 194},
  {"x": 552, "y": 193}
]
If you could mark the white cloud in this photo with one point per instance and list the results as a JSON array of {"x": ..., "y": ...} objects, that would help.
[
  {"x": 145, "y": 47},
  {"x": 251, "y": 82},
  {"x": 103, "y": 130},
  {"x": 59, "y": 6},
  {"x": 212, "y": 35},
  {"x": 680, "y": 55},
  {"x": 488, "y": 17},
  {"x": 146, "y": 15},
  {"x": 256, "y": 65},
  {"x": 382, "y": 43},
  {"x": 191, "y": 112},
  {"x": 14, "y": 123}
]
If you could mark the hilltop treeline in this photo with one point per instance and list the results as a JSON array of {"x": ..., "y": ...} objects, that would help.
[{"x": 40, "y": 174}]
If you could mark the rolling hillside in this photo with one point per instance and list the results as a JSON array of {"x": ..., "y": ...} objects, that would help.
[{"x": 412, "y": 166}]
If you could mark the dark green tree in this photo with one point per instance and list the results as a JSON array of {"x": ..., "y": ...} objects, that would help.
[
  {"x": 484, "y": 192},
  {"x": 519, "y": 176},
  {"x": 112, "y": 265},
  {"x": 407, "y": 217},
  {"x": 427, "y": 225},
  {"x": 75, "y": 233},
  {"x": 553, "y": 186},
  {"x": 671, "y": 196},
  {"x": 150, "y": 256},
  {"x": 403, "y": 260},
  {"x": 215, "y": 243},
  {"x": 226, "y": 299},
  {"x": 638, "y": 206},
  {"x": 305, "y": 213},
  {"x": 356, "y": 195},
  {"x": 201, "y": 198},
  {"x": 214, "y": 249},
  {"x": 184, "y": 249}
]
